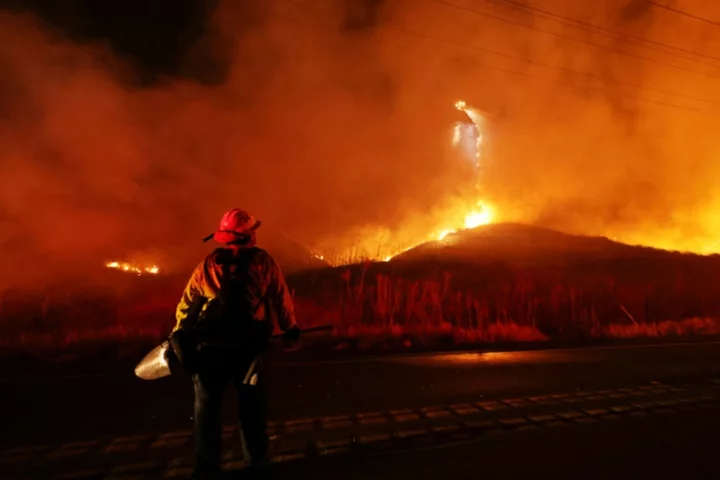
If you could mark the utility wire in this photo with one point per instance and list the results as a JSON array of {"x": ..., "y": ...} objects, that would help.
[
  {"x": 480, "y": 64},
  {"x": 682, "y": 12},
  {"x": 556, "y": 67},
  {"x": 550, "y": 80},
  {"x": 636, "y": 40},
  {"x": 574, "y": 39},
  {"x": 547, "y": 65}
]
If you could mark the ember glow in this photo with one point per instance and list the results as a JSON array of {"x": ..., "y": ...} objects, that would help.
[
  {"x": 477, "y": 218},
  {"x": 483, "y": 215},
  {"x": 130, "y": 268}
]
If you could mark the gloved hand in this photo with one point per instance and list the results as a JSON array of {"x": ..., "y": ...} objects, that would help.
[
  {"x": 292, "y": 334},
  {"x": 170, "y": 357},
  {"x": 184, "y": 346}
]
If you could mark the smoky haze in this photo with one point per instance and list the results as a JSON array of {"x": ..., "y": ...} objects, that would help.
[{"x": 331, "y": 122}]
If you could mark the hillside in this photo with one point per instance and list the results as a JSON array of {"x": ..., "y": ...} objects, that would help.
[
  {"x": 530, "y": 245},
  {"x": 532, "y": 275}
]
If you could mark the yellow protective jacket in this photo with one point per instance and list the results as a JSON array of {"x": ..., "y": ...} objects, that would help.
[{"x": 242, "y": 280}]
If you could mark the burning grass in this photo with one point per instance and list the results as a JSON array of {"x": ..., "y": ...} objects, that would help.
[
  {"x": 381, "y": 306},
  {"x": 678, "y": 328},
  {"x": 497, "y": 304},
  {"x": 381, "y": 309}
]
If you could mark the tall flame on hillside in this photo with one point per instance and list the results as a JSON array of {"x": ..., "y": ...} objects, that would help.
[{"x": 468, "y": 139}]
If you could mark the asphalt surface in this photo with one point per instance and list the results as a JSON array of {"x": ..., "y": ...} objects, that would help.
[
  {"x": 67, "y": 408},
  {"x": 682, "y": 445},
  {"x": 487, "y": 437}
]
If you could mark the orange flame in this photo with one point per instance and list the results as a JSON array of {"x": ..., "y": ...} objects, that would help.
[
  {"x": 484, "y": 215},
  {"x": 455, "y": 213},
  {"x": 130, "y": 268}
]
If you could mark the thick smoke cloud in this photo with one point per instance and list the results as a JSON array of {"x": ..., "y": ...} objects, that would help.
[
  {"x": 332, "y": 122},
  {"x": 590, "y": 155}
]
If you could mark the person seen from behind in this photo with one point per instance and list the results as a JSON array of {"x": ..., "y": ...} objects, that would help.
[{"x": 223, "y": 328}]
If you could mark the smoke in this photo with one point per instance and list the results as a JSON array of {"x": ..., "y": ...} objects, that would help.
[
  {"x": 332, "y": 122},
  {"x": 609, "y": 154}
]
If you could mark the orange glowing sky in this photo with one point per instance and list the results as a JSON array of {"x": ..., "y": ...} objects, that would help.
[{"x": 338, "y": 136}]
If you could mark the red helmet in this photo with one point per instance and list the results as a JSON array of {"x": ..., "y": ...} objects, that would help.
[{"x": 234, "y": 224}]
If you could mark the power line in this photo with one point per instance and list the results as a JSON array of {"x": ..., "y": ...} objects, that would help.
[
  {"x": 477, "y": 63},
  {"x": 638, "y": 40},
  {"x": 550, "y": 80},
  {"x": 568, "y": 37},
  {"x": 556, "y": 67},
  {"x": 682, "y": 12}
]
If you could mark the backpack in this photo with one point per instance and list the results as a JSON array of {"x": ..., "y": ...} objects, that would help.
[{"x": 231, "y": 314}]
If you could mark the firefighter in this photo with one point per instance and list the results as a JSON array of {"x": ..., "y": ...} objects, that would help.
[{"x": 225, "y": 312}]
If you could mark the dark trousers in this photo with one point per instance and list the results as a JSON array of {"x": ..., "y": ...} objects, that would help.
[{"x": 219, "y": 367}]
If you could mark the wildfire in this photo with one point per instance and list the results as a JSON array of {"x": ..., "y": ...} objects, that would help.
[
  {"x": 130, "y": 268},
  {"x": 483, "y": 215},
  {"x": 476, "y": 218},
  {"x": 453, "y": 216}
]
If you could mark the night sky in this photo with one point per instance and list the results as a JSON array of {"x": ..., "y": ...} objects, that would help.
[{"x": 161, "y": 37}]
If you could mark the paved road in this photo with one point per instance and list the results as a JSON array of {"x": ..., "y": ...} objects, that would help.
[
  {"x": 77, "y": 408},
  {"x": 357, "y": 440},
  {"x": 677, "y": 446}
]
